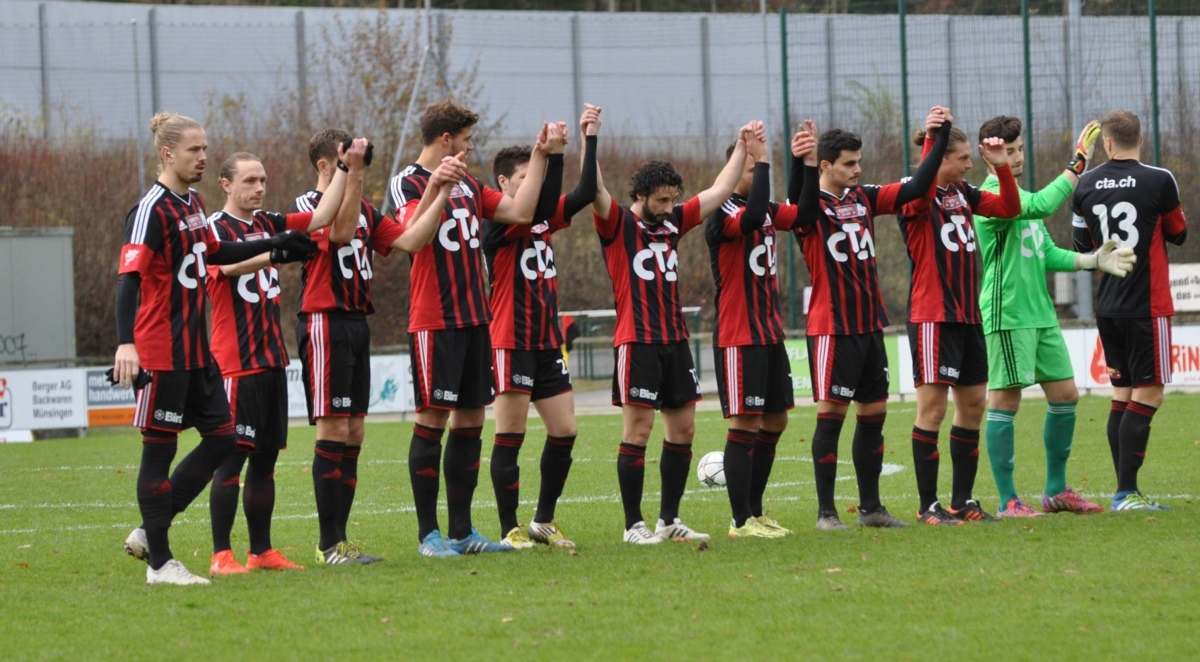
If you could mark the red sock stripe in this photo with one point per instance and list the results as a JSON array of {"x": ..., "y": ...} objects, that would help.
[
  {"x": 426, "y": 432},
  {"x": 681, "y": 449},
  {"x": 832, "y": 416},
  {"x": 561, "y": 441},
  {"x": 332, "y": 457},
  {"x": 352, "y": 451},
  {"x": 925, "y": 438},
  {"x": 877, "y": 418},
  {"x": 740, "y": 437},
  {"x": 630, "y": 449},
  {"x": 1118, "y": 405},
  {"x": 768, "y": 436},
  {"x": 1143, "y": 409},
  {"x": 510, "y": 439}
]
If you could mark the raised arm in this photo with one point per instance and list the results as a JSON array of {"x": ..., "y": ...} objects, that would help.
[
  {"x": 755, "y": 213},
  {"x": 714, "y": 196},
  {"x": 346, "y": 222},
  {"x": 804, "y": 152},
  {"x": 586, "y": 190},
  {"x": 331, "y": 200},
  {"x": 519, "y": 209},
  {"x": 937, "y": 124},
  {"x": 420, "y": 228},
  {"x": 1008, "y": 203}
]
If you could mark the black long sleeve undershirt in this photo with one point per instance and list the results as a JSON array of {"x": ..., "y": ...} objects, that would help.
[
  {"x": 547, "y": 203},
  {"x": 585, "y": 190},
  {"x": 926, "y": 174},
  {"x": 129, "y": 291},
  {"x": 755, "y": 214}
]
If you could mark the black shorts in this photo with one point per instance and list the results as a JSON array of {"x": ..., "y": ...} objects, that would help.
[
  {"x": 335, "y": 350},
  {"x": 848, "y": 368},
  {"x": 951, "y": 353},
  {"x": 452, "y": 368},
  {"x": 1137, "y": 350},
  {"x": 658, "y": 376},
  {"x": 540, "y": 373},
  {"x": 259, "y": 404},
  {"x": 753, "y": 379},
  {"x": 176, "y": 400}
]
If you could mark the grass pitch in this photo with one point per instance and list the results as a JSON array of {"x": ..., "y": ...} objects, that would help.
[{"x": 1073, "y": 587}]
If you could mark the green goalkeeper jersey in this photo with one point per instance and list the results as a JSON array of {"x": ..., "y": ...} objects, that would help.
[{"x": 1017, "y": 253}]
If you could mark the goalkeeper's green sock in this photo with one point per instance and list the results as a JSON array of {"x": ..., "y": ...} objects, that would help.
[
  {"x": 1058, "y": 434},
  {"x": 1001, "y": 452}
]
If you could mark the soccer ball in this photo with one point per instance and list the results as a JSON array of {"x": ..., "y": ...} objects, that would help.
[{"x": 711, "y": 469}]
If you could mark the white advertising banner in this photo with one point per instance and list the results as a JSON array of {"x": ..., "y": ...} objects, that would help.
[
  {"x": 1185, "y": 286},
  {"x": 391, "y": 387},
  {"x": 43, "y": 399}
]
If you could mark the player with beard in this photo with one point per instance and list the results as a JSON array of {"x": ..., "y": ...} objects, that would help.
[{"x": 653, "y": 368}]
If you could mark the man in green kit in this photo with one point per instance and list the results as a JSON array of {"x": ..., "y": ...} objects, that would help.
[{"x": 1024, "y": 342}]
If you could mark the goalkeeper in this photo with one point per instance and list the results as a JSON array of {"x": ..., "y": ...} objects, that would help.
[{"x": 1024, "y": 342}]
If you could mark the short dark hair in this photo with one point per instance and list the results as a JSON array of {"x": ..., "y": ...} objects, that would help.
[
  {"x": 652, "y": 176},
  {"x": 729, "y": 151},
  {"x": 445, "y": 117},
  {"x": 1005, "y": 127},
  {"x": 509, "y": 159},
  {"x": 1122, "y": 127},
  {"x": 833, "y": 142},
  {"x": 324, "y": 145},
  {"x": 956, "y": 137}
]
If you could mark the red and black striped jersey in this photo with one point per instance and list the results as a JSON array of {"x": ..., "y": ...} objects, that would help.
[
  {"x": 166, "y": 239},
  {"x": 642, "y": 264},
  {"x": 446, "y": 277},
  {"x": 743, "y": 266},
  {"x": 338, "y": 277},
  {"x": 839, "y": 250},
  {"x": 940, "y": 237},
  {"x": 1138, "y": 205},
  {"x": 524, "y": 280},
  {"x": 247, "y": 334}
]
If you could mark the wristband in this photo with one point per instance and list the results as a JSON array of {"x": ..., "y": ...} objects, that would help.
[{"x": 342, "y": 166}]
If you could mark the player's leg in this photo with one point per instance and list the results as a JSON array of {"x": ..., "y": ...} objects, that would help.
[
  {"x": 1011, "y": 358},
  {"x": 1058, "y": 435},
  {"x": 679, "y": 391},
  {"x": 839, "y": 369},
  {"x": 636, "y": 374},
  {"x": 740, "y": 380},
  {"x": 970, "y": 402},
  {"x": 555, "y": 403},
  {"x": 1149, "y": 348},
  {"x": 258, "y": 492},
  {"x": 227, "y": 481},
  {"x": 1115, "y": 358},
  {"x": 871, "y": 395},
  {"x": 514, "y": 378},
  {"x": 924, "y": 340},
  {"x": 433, "y": 365},
  {"x": 464, "y": 443},
  {"x": 359, "y": 333},
  {"x": 780, "y": 400},
  {"x": 206, "y": 409}
]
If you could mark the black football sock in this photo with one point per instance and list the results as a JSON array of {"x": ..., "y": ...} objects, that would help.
[
  {"x": 506, "y": 478},
  {"x": 327, "y": 484},
  {"x": 1135, "y": 436},
  {"x": 349, "y": 485},
  {"x": 258, "y": 499},
  {"x": 424, "y": 455},
  {"x": 868, "y": 460},
  {"x": 765, "y": 443},
  {"x": 631, "y": 476},
  {"x": 824, "y": 454},
  {"x": 739, "y": 473},
  {"x": 195, "y": 471},
  {"x": 555, "y": 465},
  {"x": 461, "y": 468},
  {"x": 223, "y": 499},
  {"x": 674, "y": 467},
  {"x": 964, "y": 454},
  {"x": 154, "y": 493},
  {"x": 1116, "y": 413},
  {"x": 925, "y": 465}
]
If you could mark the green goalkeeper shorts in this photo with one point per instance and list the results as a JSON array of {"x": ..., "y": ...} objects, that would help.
[{"x": 1023, "y": 357}]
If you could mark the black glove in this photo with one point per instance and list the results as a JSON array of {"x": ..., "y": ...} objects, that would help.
[
  {"x": 139, "y": 382},
  {"x": 291, "y": 246},
  {"x": 366, "y": 157}
]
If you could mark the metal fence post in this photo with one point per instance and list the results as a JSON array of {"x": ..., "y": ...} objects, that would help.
[
  {"x": 1154, "y": 114},
  {"x": 42, "y": 51},
  {"x": 706, "y": 88},
  {"x": 1083, "y": 279},
  {"x": 904, "y": 87},
  {"x": 950, "y": 60},
  {"x": 301, "y": 68},
  {"x": 577, "y": 68},
  {"x": 830, "y": 65},
  {"x": 1030, "y": 177},
  {"x": 140, "y": 155},
  {"x": 784, "y": 75},
  {"x": 155, "y": 88}
]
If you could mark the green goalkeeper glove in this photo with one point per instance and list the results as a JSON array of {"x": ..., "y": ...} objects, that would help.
[
  {"x": 1084, "y": 148},
  {"x": 1109, "y": 259}
]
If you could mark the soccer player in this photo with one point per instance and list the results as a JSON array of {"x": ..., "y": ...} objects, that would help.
[
  {"x": 753, "y": 379},
  {"x": 163, "y": 344},
  {"x": 1024, "y": 343},
  {"x": 1137, "y": 205},
  {"x": 527, "y": 339},
  {"x": 333, "y": 334},
  {"x": 846, "y": 318},
  {"x": 654, "y": 368},
  {"x": 247, "y": 343},
  {"x": 945, "y": 330},
  {"x": 448, "y": 322}
]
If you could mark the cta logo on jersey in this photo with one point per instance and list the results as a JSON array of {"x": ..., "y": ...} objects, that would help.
[
  {"x": 361, "y": 261},
  {"x": 538, "y": 261},
  {"x": 657, "y": 258},
  {"x": 467, "y": 225},
  {"x": 762, "y": 258},
  {"x": 853, "y": 239},
  {"x": 193, "y": 263}
]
